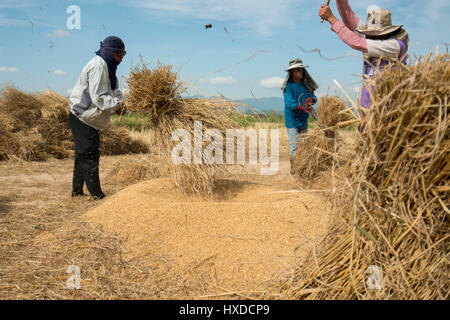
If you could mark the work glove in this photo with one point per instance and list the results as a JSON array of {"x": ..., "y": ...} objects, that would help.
[
  {"x": 304, "y": 108},
  {"x": 310, "y": 101}
]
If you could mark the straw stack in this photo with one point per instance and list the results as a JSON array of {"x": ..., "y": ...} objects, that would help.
[
  {"x": 158, "y": 93},
  {"x": 117, "y": 141},
  {"x": 7, "y": 141},
  {"x": 332, "y": 110},
  {"x": 19, "y": 110},
  {"x": 392, "y": 240},
  {"x": 131, "y": 172},
  {"x": 315, "y": 154},
  {"x": 36, "y": 127},
  {"x": 317, "y": 149}
]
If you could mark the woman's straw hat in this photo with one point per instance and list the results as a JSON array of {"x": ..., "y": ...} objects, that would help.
[
  {"x": 295, "y": 64},
  {"x": 379, "y": 23}
]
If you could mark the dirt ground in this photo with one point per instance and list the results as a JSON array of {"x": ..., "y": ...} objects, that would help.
[{"x": 148, "y": 241}]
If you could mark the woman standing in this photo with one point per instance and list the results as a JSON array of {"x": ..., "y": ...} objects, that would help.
[
  {"x": 93, "y": 98},
  {"x": 298, "y": 90},
  {"x": 381, "y": 42}
]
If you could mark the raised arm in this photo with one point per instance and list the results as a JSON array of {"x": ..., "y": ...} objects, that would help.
[
  {"x": 350, "y": 19},
  {"x": 349, "y": 37},
  {"x": 344, "y": 33}
]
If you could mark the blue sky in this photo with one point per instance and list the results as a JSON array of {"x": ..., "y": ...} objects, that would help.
[{"x": 37, "y": 50}]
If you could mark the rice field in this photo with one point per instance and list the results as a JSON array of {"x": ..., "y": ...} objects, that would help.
[{"x": 364, "y": 217}]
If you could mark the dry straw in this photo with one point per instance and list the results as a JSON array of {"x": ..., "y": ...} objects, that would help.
[
  {"x": 117, "y": 141},
  {"x": 7, "y": 141},
  {"x": 395, "y": 210},
  {"x": 315, "y": 153},
  {"x": 158, "y": 92},
  {"x": 139, "y": 169},
  {"x": 36, "y": 127},
  {"x": 104, "y": 272},
  {"x": 332, "y": 112},
  {"x": 319, "y": 147}
]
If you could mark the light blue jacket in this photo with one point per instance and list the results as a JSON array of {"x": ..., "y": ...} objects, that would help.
[{"x": 295, "y": 94}]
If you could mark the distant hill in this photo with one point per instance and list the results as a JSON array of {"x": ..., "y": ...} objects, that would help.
[{"x": 265, "y": 105}]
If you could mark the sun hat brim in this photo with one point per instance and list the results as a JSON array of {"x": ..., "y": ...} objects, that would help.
[
  {"x": 296, "y": 66},
  {"x": 382, "y": 32}
]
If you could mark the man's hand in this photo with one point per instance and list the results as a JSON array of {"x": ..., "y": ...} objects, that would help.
[{"x": 326, "y": 14}]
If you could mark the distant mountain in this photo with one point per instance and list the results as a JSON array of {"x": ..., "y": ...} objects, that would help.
[{"x": 265, "y": 105}]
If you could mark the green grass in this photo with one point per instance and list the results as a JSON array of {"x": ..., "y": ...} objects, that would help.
[
  {"x": 138, "y": 121},
  {"x": 247, "y": 120},
  {"x": 133, "y": 121}
]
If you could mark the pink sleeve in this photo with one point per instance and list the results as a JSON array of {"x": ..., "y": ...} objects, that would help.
[
  {"x": 349, "y": 37},
  {"x": 350, "y": 19}
]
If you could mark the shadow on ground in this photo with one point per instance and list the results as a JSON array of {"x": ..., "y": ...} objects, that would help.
[{"x": 224, "y": 189}]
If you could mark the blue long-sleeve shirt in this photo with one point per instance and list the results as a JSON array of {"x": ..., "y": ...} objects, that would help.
[{"x": 295, "y": 94}]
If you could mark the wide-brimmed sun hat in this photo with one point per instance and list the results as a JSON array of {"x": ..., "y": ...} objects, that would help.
[
  {"x": 379, "y": 23},
  {"x": 310, "y": 84},
  {"x": 296, "y": 64}
]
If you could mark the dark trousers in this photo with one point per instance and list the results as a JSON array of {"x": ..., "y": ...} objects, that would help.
[{"x": 87, "y": 157}]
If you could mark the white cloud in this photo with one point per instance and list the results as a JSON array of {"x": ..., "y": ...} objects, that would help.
[
  {"x": 69, "y": 91},
  {"x": 219, "y": 80},
  {"x": 9, "y": 69},
  {"x": 58, "y": 33},
  {"x": 59, "y": 72},
  {"x": 260, "y": 15},
  {"x": 272, "y": 83}
]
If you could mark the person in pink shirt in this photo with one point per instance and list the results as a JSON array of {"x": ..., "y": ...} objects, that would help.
[{"x": 381, "y": 42}]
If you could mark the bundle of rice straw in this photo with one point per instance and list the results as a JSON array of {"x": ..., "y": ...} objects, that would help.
[
  {"x": 158, "y": 92},
  {"x": 36, "y": 126},
  {"x": 315, "y": 153},
  {"x": 393, "y": 239},
  {"x": 332, "y": 111},
  {"x": 137, "y": 170},
  {"x": 7, "y": 141},
  {"x": 319, "y": 147},
  {"x": 31, "y": 148},
  {"x": 118, "y": 141},
  {"x": 53, "y": 125},
  {"x": 19, "y": 110}
]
